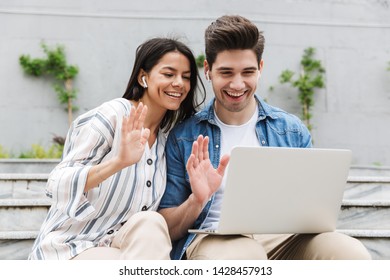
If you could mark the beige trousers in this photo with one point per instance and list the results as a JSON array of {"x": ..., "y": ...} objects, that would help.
[
  {"x": 324, "y": 246},
  {"x": 144, "y": 236}
]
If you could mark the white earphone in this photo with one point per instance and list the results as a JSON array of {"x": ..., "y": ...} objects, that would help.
[
  {"x": 207, "y": 76},
  {"x": 144, "y": 82}
]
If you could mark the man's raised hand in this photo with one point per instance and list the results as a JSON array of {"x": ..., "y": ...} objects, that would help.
[{"x": 204, "y": 178}]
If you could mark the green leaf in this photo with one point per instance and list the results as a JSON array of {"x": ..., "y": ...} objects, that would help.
[
  {"x": 54, "y": 65},
  {"x": 309, "y": 79},
  {"x": 286, "y": 76},
  {"x": 200, "y": 60}
]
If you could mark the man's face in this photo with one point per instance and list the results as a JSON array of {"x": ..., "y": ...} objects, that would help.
[{"x": 234, "y": 77}]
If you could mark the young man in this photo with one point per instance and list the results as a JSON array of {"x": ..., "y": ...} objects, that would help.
[{"x": 197, "y": 155}]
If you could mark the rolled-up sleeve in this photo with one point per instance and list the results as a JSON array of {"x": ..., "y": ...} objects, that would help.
[
  {"x": 89, "y": 139},
  {"x": 177, "y": 188}
]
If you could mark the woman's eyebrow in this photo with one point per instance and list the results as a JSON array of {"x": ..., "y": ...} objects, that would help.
[{"x": 174, "y": 69}]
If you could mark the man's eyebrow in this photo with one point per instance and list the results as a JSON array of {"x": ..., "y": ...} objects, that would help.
[
  {"x": 224, "y": 68},
  {"x": 230, "y": 69},
  {"x": 251, "y": 68}
]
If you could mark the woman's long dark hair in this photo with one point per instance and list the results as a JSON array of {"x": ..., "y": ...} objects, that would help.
[{"x": 147, "y": 56}]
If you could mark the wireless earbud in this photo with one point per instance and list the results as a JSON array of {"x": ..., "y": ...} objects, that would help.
[
  {"x": 144, "y": 82},
  {"x": 207, "y": 76}
]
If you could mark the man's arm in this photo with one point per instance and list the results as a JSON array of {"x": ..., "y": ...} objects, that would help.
[
  {"x": 204, "y": 180},
  {"x": 180, "y": 219}
]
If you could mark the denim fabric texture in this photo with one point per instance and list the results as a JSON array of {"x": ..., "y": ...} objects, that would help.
[{"x": 274, "y": 127}]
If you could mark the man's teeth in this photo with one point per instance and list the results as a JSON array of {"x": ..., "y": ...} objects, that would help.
[{"x": 235, "y": 94}]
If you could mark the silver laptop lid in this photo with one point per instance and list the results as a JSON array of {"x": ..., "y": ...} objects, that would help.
[{"x": 283, "y": 190}]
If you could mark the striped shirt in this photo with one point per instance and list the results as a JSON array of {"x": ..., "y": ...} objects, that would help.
[{"x": 79, "y": 220}]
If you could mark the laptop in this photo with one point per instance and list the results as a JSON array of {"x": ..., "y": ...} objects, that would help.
[{"x": 282, "y": 190}]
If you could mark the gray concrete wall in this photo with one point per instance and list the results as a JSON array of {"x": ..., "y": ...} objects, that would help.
[{"x": 352, "y": 39}]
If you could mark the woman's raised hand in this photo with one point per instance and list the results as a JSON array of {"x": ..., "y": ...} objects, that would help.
[{"x": 134, "y": 136}]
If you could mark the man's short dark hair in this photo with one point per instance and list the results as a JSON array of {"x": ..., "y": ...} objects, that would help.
[{"x": 232, "y": 32}]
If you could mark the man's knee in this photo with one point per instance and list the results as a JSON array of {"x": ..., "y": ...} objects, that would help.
[
  {"x": 336, "y": 245},
  {"x": 228, "y": 247}
]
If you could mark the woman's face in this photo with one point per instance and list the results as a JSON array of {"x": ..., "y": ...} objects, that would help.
[{"x": 168, "y": 83}]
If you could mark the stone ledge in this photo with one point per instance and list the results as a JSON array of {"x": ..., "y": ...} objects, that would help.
[
  {"x": 45, "y": 176},
  {"x": 24, "y": 202},
  {"x": 24, "y": 176},
  {"x": 28, "y": 160},
  {"x": 366, "y": 233},
  {"x": 11, "y": 235},
  {"x": 365, "y": 203},
  {"x": 368, "y": 179}
]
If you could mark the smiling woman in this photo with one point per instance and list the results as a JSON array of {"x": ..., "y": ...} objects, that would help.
[
  {"x": 112, "y": 176},
  {"x": 153, "y": 60},
  {"x": 167, "y": 84}
]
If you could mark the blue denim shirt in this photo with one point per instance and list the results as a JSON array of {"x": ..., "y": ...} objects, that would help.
[{"x": 274, "y": 127}]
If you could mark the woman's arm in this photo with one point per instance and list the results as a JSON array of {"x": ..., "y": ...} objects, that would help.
[{"x": 132, "y": 146}]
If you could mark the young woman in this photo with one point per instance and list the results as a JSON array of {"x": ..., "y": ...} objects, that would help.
[{"x": 112, "y": 176}]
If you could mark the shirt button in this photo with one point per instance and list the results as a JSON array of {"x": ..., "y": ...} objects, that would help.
[
  {"x": 263, "y": 142},
  {"x": 110, "y": 232},
  {"x": 144, "y": 208},
  {"x": 149, "y": 161},
  {"x": 148, "y": 183},
  {"x": 217, "y": 146}
]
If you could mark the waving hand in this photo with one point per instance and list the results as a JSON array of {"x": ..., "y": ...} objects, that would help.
[
  {"x": 134, "y": 136},
  {"x": 204, "y": 178}
]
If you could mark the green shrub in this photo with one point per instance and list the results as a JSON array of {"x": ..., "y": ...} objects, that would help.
[
  {"x": 200, "y": 60},
  {"x": 307, "y": 80},
  {"x": 54, "y": 65},
  {"x": 3, "y": 152},
  {"x": 39, "y": 152}
]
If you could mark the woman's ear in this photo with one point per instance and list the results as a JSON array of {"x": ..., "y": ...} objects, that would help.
[
  {"x": 144, "y": 82},
  {"x": 142, "y": 79}
]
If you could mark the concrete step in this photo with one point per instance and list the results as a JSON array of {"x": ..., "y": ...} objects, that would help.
[
  {"x": 357, "y": 170},
  {"x": 23, "y": 214},
  {"x": 16, "y": 245},
  {"x": 27, "y": 165},
  {"x": 23, "y": 185},
  {"x": 47, "y": 165},
  {"x": 358, "y": 214},
  {"x": 377, "y": 242},
  {"x": 365, "y": 205},
  {"x": 365, "y": 212},
  {"x": 32, "y": 185},
  {"x": 15, "y": 249},
  {"x": 367, "y": 188}
]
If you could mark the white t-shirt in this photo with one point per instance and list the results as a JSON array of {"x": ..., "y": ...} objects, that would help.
[{"x": 231, "y": 135}]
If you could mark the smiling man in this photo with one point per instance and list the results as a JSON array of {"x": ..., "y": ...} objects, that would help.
[{"x": 198, "y": 149}]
